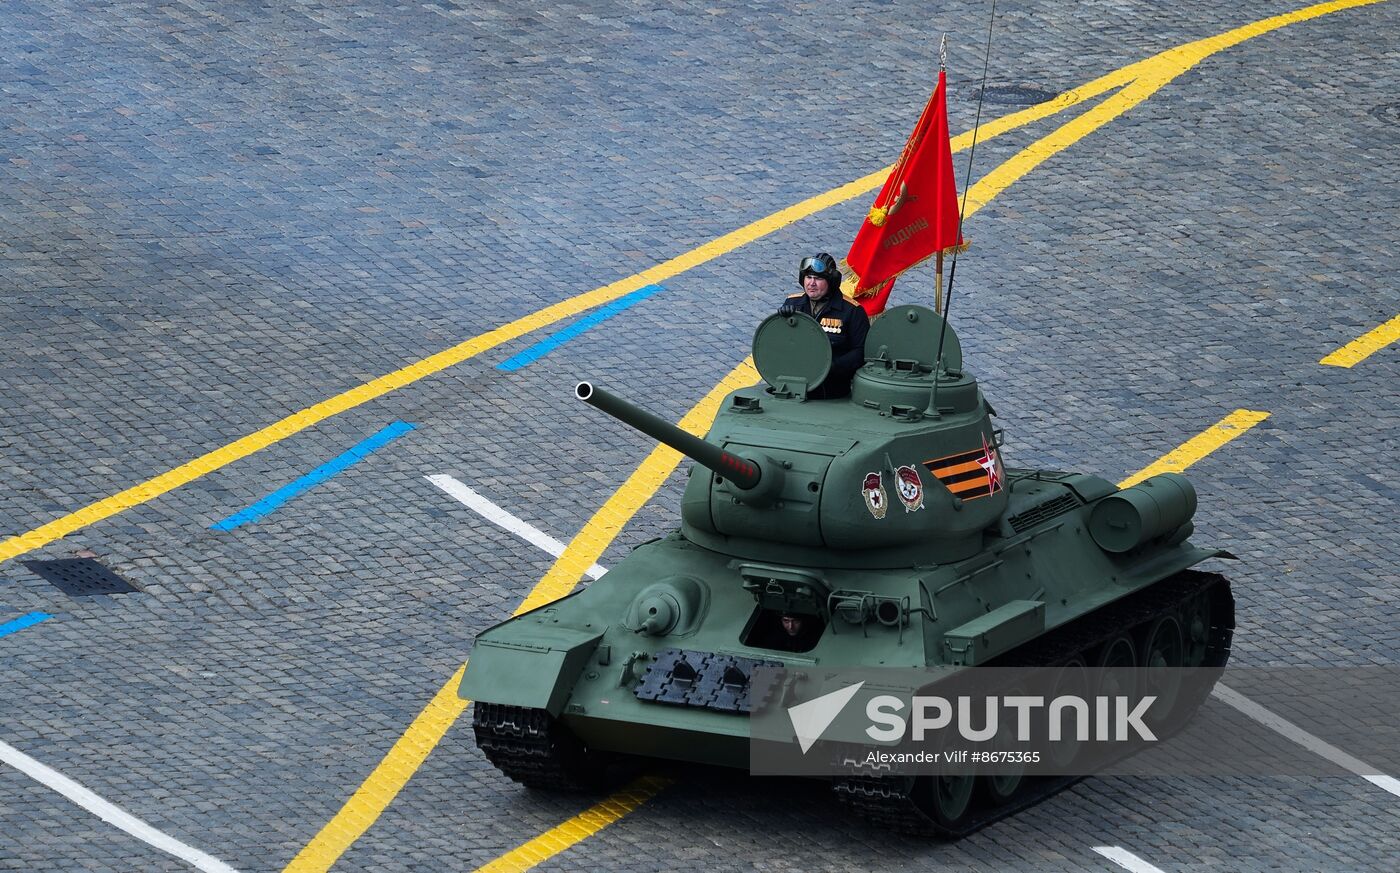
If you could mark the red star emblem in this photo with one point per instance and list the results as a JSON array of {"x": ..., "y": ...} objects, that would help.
[{"x": 991, "y": 464}]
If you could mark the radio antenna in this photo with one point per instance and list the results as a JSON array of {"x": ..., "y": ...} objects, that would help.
[{"x": 962, "y": 210}]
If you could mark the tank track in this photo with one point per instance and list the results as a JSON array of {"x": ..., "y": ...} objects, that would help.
[
  {"x": 530, "y": 747},
  {"x": 891, "y": 802}
]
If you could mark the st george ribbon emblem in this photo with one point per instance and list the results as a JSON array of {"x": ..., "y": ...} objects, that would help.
[
  {"x": 873, "y": 490},
  {"x": 909, "y": 488}
]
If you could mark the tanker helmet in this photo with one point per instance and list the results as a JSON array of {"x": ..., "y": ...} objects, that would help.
[{"x": 823, "y": 265}]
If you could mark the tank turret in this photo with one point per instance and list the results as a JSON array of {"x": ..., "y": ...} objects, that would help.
[{"x": 907, "y": 470}]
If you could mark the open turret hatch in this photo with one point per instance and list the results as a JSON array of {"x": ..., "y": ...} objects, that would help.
[
  {"x": 906, "y": 339},
  {"x": 792, "y": 354}
]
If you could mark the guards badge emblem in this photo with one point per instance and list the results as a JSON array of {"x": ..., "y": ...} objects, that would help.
[{"x": 873, "y": 490}]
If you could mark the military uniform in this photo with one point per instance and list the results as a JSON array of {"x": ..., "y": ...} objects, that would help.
[{"x": 846, "y": 325}]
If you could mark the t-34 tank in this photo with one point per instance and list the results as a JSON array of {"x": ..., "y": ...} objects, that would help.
[{"x": 880, "y": 528}]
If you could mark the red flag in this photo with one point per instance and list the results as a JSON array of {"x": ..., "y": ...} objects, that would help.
[{"x": 916, "y": 213}]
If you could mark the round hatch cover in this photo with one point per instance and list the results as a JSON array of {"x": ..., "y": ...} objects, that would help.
[
  {"x": 792, "y": 347},
  {"x": 911, "y": 332}
]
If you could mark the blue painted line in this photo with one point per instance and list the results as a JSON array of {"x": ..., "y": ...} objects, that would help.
[
  {"x": 314, "y": 478},
  {"x": 24, "y": 621},
  {"x": 602, "y": 314}
]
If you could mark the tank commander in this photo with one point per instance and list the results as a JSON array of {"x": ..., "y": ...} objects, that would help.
[{"x": 845, "y": 323}]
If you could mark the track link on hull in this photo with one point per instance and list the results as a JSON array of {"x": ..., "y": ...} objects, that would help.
[{"x": 902, "y": 803}]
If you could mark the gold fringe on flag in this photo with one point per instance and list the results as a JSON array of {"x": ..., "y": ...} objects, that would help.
[{"x": 850, "y": 282}]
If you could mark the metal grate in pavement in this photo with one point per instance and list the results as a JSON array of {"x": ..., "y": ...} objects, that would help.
[{"x": 80, "y": 577}]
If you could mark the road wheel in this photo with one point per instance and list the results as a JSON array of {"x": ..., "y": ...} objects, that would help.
[
  {"x": 1195, "y": 628},
  {"x": 1071, "y": 681},
  {"x": 1164, "y": 658}
]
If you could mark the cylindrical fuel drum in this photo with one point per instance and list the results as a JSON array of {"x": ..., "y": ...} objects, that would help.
[{"x": 1149, "y": 509}]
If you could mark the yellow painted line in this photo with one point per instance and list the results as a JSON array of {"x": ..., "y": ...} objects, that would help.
[
  {"x": 384, "y": 784},
  {"x": 585, "y": 549},
  {"x": 1145, "y": 79},
  {"x": 312, "y": 415},
  {"x": 1365, "y": 345},
  {"x": 292, "y": 424},
  {"x": 393, "y": 772},
  {"x": 1177, "y": 460},
  {"x": 600, "y": 530},
  {"x": 578, "y": 828}
]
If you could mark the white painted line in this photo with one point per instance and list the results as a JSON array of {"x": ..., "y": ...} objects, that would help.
[
  {"x": 109, "y": 813},
  {"x": 493, "y": 513},
  {"x": 1313, "y": 744},
  {"x": 1387, "y": 783},
  {"x": 1127, "y": 860}
]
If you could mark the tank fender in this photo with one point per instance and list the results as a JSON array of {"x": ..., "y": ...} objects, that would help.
[{"x": 534, "y": 667}]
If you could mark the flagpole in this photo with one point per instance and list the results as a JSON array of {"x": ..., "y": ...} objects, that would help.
[
  {"x": 932, "y": 410},
  {"x": 938, "y": 299}
]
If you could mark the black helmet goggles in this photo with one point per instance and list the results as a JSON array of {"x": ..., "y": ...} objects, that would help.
[{"x": 819, "y": 264}]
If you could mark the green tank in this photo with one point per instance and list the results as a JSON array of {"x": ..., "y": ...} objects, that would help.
[{"x": 882, "y": 528}]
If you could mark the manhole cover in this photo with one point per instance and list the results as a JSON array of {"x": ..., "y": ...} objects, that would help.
[
  {"x": 1014, "y": 95},
  {"x": 80, "y": 577},
  {"x": 1390, "y": 112}
]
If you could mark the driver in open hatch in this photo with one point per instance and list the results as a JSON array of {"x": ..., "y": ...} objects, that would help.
[
  {"x": 785, "y": 631},
  {"x": 845, "y": 323}
]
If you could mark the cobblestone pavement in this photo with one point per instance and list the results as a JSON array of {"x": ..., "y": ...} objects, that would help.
[{"x": 215, "y": 214}]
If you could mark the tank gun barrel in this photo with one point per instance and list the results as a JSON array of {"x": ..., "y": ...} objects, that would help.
[{"x": 743, "y": 473}]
